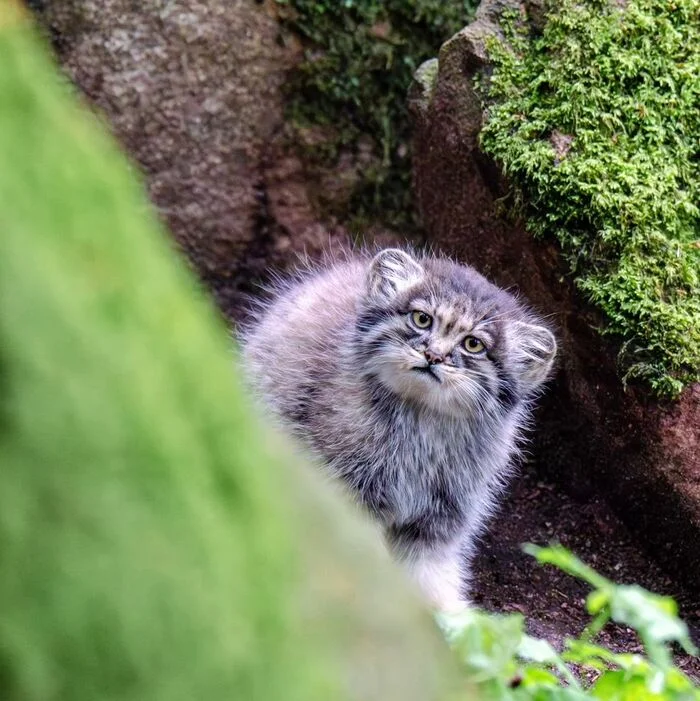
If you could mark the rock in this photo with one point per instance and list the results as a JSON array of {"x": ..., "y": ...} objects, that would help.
[
  {"x": 193, "y": 91},
  {"x": 642, "y": 454}
]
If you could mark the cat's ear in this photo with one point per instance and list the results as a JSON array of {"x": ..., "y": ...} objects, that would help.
[
  {"x": 391, "y": 272},
  {"x": 537, "y": 348}
]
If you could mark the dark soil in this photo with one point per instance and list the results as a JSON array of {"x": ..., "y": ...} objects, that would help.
[{"x": 507, "y": 580}]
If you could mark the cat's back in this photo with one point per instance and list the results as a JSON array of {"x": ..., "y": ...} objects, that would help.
[{"x": 296, "y": 338}]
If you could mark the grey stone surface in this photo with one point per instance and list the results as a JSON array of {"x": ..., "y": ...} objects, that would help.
[{"x": 193, "y": 90}]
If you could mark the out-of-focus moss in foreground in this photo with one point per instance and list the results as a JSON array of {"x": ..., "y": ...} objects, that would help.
[{"x": 150, "y": 547}]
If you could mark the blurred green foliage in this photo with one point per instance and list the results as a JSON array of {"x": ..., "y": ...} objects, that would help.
[
  {"x": 360, "y": 56},
  {"x": 156, "y": 542},
  {"x": 597, "y": 120},
  {"x": 124, "y": 490},
  {"x": 508, "y": 665}
]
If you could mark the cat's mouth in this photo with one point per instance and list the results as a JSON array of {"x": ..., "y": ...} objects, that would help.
[{"x": 427, "y": 370}]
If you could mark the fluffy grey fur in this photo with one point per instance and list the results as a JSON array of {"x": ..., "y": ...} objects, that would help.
[{"x": 412, "y": 377}]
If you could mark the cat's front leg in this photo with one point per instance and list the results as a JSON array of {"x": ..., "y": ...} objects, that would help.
[{"x": 439, "y": 572}]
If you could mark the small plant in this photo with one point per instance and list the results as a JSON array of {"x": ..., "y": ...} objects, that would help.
[
  {"x": 597, "y": 121},
  {"x": 507, "y": 664},
  {"x": 360, "y": 56}
]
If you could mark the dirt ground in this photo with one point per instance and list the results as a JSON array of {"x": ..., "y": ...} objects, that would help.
[{"x": 552, "y": 602}]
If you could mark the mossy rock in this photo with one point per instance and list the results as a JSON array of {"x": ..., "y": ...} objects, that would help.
[
  {"x": 597, "y": 120},
  {"x": 359, "y": 57}
]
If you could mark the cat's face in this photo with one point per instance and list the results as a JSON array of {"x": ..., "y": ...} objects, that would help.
[{"x": 441, "y": 336}]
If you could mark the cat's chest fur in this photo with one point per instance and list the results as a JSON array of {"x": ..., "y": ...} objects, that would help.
[{"x": 411, "y": 468}]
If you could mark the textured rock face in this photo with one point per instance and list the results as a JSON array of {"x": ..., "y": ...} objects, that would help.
[
  {"x": 593, "y": 436},
  {"x": 192, "y": 89}
]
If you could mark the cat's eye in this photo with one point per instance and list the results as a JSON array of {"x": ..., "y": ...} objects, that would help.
[
  {"x": 473, "y": 345},
  {"x": 421, "y": 319}
]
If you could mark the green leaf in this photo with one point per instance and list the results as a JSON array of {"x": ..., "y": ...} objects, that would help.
[
  {"x": 536, "y": 650},
  {"x": 535, "y": 677},
  {"x": 567, "y": 562},
  {"x": 597, "y": 600},
  {"x": 485, "y": 643},
  {"x": 653, "y": 616},
  {"x": 597, "y": 657},
  {"x": 620, "y": 686}
]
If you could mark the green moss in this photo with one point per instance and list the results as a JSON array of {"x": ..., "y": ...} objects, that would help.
[
  {"x": 597, "y": 120},
  {"x": 155, "y": 541},
  {"x": 359, "y": 61}
]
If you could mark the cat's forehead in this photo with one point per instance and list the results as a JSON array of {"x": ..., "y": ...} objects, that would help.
[
  {"x": 448, "y": 310},
  {"x": 462, "y": 298},
  {"x": 456, "y": 316}
]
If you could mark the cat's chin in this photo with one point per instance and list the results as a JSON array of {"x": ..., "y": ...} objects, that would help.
[{"x": 423, "y": 386}]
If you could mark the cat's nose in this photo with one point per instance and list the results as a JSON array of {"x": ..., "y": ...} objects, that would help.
[{"x": 432, "y": 357}]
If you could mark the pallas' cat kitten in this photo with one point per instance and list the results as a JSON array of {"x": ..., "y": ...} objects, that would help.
[{"x": 412, "y": 378}]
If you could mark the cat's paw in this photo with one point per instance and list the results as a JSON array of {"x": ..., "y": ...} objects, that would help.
[
  {"x": 452, "y": 624},
  {"x": 451, "y": 606}
]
